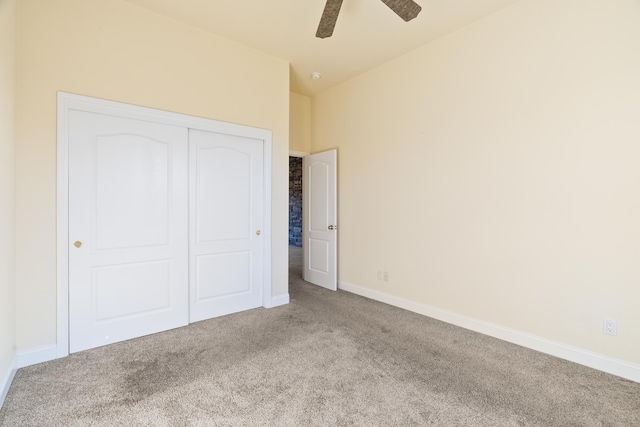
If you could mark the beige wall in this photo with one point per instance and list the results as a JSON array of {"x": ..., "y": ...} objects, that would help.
[
  {"x": 7, "y": 187},
  {"x": 299, "y": 123},
  {"x": 114, "y": 50},
  {"x": 495, "y": 173}
]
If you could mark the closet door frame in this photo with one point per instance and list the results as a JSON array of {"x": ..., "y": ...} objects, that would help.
[{"x": 68, "y": 102}]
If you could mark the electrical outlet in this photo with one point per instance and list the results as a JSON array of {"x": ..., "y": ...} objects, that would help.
[
  {"x": 385, "y": 276},
  {"x": 610, "y": 327},
  {"x": 380, "y": 275}
]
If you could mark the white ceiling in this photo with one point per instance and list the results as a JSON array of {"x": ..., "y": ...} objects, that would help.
[{"x": 367, "y": 33}]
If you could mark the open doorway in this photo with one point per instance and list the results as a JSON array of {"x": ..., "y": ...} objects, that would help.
[
  {"x": 295, "y": 201},
  {"x": 316, "y": 186},
  {"x": 295, "y": 214}
]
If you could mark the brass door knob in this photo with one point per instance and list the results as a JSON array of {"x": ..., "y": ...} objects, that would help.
[
  {"x": 77, "y": 243},
  {"x": 258, "y": 232}
]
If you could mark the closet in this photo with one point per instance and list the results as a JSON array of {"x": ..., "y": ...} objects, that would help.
[{"x": 166, "y": 220}]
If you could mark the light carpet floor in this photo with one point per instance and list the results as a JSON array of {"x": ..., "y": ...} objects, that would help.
[{"x": 326, "y": 359}]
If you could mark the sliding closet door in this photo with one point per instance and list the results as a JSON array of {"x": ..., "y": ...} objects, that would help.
[
  {"x": 128, "y": 241},
  {"x": 226, "y": 181}
]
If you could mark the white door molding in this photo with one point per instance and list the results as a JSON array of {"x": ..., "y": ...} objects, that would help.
[
  {"x": 298, "y": 154},
  {"x": 69, "y": 102}
]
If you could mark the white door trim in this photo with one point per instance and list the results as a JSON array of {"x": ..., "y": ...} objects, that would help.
[
  {"x": 298, "y": 154},
  {"x": 68, "y": 102}
]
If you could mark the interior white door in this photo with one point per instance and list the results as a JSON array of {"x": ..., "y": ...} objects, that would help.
[
  {"x": 128, "y": 240},
  {"x": 226, "y": 223},
  {"x": 319, "y": 219}
]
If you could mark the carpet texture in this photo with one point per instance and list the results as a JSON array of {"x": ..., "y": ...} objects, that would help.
[{"x": 326, "y": 359}]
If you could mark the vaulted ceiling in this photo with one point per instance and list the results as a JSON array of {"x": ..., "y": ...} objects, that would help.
[{"x": 367, "y": 33}]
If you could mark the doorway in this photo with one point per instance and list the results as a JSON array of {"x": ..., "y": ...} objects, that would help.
[
  {"x": 295, "y": 214},
  {"x": 295, "y": 201},
  {"x": 313, "y": 180}
]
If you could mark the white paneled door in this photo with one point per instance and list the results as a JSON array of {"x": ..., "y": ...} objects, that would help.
[
  {"x": 319, "y": 219},
  {"x": 226, "y": 223},
  {"x": 128, "y": 210},
  {"x": 166, "y": 223}
]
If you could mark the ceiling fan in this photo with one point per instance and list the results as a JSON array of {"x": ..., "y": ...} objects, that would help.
[{"x": 405, "y": 9}]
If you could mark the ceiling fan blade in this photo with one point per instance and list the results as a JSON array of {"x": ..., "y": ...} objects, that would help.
[
  {"x": 405, "y": 9},
  {"x": 329, "y": 18}
]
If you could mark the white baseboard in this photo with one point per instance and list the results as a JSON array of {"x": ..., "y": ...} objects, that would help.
[
  {"x": 36, "y": 355},
  {"x": 23, "y": 359},
  {"x": 597, "y": 361},
  {"x": 279, "y": 300},
  {"x": 5, "y": 380}
]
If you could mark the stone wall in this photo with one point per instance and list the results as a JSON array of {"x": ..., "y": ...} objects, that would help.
[{"x": 295, "y": 201}]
